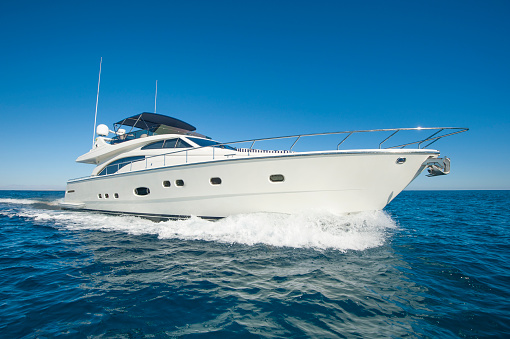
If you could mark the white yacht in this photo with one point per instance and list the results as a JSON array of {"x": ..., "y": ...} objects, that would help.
[{"x": 161, "y": 167}]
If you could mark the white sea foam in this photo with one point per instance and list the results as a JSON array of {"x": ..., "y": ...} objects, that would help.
[
  {"x": 12, "y": 201},
  {"x": 18, "y": 201},
  {"x": 308, "y": 230}
]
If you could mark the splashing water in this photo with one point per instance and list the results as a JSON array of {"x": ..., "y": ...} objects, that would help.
[{"x": 307, "y": 230}]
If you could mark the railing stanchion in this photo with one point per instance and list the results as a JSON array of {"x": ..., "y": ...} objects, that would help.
[
  {"x": 294, "y": 143},
  {"x": 382, "y": 142},
  {"x": 419, "y": 145},
  {"x": 341, "y": 142}
]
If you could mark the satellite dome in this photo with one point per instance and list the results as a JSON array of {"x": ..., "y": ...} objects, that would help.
[{"x": 102, "y": 130}]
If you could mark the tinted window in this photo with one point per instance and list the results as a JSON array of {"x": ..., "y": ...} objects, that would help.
[
  {"x": 170, "y": 143},
  {"x": 142, "y": 191},
  {"x": 154, "y": 145},
  {"x": 182, "y": 144},
  {"x": 206, "y": 142},
  {"x": 216, "y": 181},
  {"x": 277, "y": 178},
  {"x": 116, "y": 165}
]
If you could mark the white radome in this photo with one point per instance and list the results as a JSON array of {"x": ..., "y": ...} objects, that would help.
[{"x": 102, "y": 130}]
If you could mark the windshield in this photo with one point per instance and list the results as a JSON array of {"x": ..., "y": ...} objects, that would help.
[{"x": 205, "y": 143}]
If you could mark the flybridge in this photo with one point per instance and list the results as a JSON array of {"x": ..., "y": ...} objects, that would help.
[
  {"x": 149, "y": 124},
  {"x": 152, "y": 121}
]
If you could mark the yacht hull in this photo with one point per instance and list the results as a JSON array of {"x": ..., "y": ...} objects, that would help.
[{"x": 338, "y": 182}]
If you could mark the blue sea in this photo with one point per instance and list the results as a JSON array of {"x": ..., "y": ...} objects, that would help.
[{"x": 433, "y": 264}]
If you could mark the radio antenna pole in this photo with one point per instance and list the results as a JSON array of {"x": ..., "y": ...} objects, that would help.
[
  {"x": 156, "y": 96},
  {"x": 97, "y": 99}
]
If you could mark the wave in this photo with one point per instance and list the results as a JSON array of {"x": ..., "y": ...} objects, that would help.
[
  {"x": 18, "y": 201},
  {"x": 358, "y": 231},
  {"x": 40, "y": 204}
]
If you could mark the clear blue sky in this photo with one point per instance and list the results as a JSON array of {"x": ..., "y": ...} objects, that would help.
[{"x": 248, "y": 69}]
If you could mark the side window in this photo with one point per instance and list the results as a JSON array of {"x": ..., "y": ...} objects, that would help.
[
  {"x": 142, "y": 191},
  {"x": 182, "y": 144},
  {"x": 154, "y": 145},
  {"x": 170, "y": 143},
  {"x": 116, "y": 165},
  {"x": 176, "y": 143}
]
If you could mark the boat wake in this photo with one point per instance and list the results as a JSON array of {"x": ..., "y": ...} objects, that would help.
[{"x": 322, "y": 230}]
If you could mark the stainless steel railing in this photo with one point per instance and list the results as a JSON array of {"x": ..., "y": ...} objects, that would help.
[{"x": 435, "y": 136}]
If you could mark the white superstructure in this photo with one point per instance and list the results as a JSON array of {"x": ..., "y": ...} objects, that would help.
[{"x": 161, "y": 167}]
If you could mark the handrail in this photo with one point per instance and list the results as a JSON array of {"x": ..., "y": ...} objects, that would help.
[{"x": 433, "y": 138}]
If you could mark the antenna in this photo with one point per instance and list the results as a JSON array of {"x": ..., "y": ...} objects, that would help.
[
  {"x": 156, "y": 96},
  {"x": 97, "y": 99}
]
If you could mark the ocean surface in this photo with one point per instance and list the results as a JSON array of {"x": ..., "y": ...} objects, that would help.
[{"x": 431, "y": 265}]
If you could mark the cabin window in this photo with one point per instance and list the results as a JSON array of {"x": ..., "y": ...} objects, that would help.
[
  {"x": 116, "y": 165},
  {"x": 70, "y": 191},
  {"x": 170, "y": 143},
  {"x": 176, "y": 143},
  {"x": 166, "y": 183},
  {"x": 142, "y": 191},
  {"x": 182, "y": 144},
  {"x": 116, "y": 195},
  {"x": 206, "y": 142},
  {"x": 276, "y": 178},
  {"x": 154, "y": 145},
  {"x": 216, "y": 181},
  {"x": 99, "y": 196},
  {"x": 179, "y": 182},
  {"x": 106, "y": 195}
]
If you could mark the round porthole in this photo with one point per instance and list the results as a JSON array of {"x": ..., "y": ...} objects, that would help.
[
  {"x": 179, "y": 182},
  {"x": 166, "y": 183},
  {"x": 142, "y": 191},
  {"x": 116, "y": 195},
  {"x": 106, "y": 195},
  {"x": 216, "y": 181},
  {"x": 276, "y": 178},
  {"x": 99, "y": 196}
]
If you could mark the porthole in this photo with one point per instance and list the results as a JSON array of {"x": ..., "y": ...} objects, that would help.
[
  {"x": 142, "y": 191},
  {"x": 216, "y": 181},
  {"x": 276, "y": 178},
  {"x": 106, "y": 195},
  {"x": 400, "y": 161},
  {"x": 166, "y": 183},
  {"x": 179, "y": 182},
  {"x": 99, "y": 196},
  {"x": 116, "y": 195}
]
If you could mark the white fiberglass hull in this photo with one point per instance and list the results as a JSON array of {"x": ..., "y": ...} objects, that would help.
[{"x": 338, "y": 181}]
